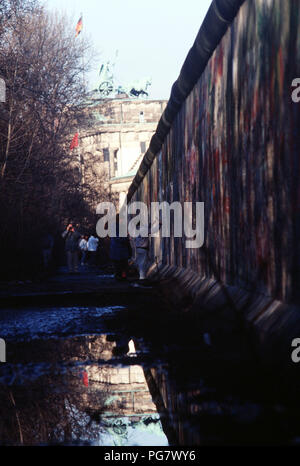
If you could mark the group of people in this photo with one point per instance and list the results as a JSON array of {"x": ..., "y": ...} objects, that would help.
[
  {"x": 122, "y": 254},
  {"x": 79, "y": 247},
  {"x": 126, "y": 253}
]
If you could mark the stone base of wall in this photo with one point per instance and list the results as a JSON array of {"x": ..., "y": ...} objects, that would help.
[{"x": 267, "y": 326}]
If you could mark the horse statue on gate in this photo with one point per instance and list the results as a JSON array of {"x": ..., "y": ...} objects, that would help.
[{"x": 137, "y": 88}]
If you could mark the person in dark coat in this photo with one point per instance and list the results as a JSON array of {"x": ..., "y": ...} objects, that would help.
[
  {"x": 120, "y": 252},
  {"x": 47, "y": 248},
  {"x": 72, "y": 237}
]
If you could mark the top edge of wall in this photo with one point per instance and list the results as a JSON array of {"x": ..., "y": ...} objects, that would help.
[{"x": 219, "y": 17}]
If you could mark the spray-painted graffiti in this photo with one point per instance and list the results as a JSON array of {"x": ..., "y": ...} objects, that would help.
[{"x": 235, "y": 145}]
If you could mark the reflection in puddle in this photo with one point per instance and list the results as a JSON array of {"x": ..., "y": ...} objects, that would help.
[
  {"x": 74, "y": 377},
  {"x": 77, "y": 396}
]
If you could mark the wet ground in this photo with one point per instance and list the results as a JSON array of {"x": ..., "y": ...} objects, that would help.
[{"x": 98, "y": 362}]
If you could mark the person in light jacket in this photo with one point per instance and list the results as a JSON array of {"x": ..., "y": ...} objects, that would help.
[
  {"x": 83, "y": 246},
  {"x": 92, "y": 246},
  {"x": 142, "y": 248}
]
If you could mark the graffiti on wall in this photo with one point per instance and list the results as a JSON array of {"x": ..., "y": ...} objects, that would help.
[{"x": 235, "y": 146}]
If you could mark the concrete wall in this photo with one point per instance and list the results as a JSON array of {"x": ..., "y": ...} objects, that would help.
[{"x": 235, "y": 146}]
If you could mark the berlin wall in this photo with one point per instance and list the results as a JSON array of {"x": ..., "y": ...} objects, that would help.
[{"x": 233, "y": 143}]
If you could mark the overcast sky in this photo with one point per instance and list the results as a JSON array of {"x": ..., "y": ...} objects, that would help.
[{"x": 152, "y": 37}]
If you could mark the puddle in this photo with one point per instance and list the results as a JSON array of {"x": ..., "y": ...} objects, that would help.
[
  {"x": 104, "y": 376},
  {"x": 74, "y": 391},
  {"x": 29, "y": 324}
]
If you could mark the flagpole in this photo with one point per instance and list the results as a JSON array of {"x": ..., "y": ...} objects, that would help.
[
  {"x": 83, "y": 64},
  {"x": 83, "y": 78},
  {"x": 80, "y": 157}
]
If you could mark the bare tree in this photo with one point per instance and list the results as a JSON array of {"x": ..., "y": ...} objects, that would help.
[{"x": 42, "y": 64}]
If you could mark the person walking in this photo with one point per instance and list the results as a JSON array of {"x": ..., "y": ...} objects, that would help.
[
  {"x": 72, "y": 237},
  {"x": 47, "y": 249},
  {"x": 120, "y": 251},
  {"x": 142, "y": 248},
  {"x": 83, "y": 246},
  {"x": 92, "y": 246}
]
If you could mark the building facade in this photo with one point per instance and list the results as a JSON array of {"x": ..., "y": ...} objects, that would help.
[{"x": 115, "y": 139}]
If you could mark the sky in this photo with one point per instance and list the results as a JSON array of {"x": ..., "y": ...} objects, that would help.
[{"x": 152, "y": 37}]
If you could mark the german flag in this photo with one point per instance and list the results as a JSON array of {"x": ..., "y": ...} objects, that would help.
[{"x": 78, "y": 27}]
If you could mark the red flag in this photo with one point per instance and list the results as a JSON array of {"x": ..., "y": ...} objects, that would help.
[
  {"x": 78, "y": 27},
  {"x": 85, "y": 379},
  {"x": 74, "y": 142}
]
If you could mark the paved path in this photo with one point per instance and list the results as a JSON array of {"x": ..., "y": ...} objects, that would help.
[{"x": 87, "y": 284}]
